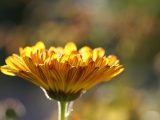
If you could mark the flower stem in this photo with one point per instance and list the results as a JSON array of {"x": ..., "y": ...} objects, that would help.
[{"x": 62, "y": 108}]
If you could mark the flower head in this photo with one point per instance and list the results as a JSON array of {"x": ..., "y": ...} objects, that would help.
[{"x": 63, "y": 73}]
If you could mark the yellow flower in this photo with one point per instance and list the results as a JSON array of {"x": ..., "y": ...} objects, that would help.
[{"x": 63, "y": 73}]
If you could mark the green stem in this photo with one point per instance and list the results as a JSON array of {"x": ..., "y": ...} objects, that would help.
[{"x": 62, "y": 108}]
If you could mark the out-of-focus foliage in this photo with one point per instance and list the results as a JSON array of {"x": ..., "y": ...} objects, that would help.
[{"x": 127, "y": 28}]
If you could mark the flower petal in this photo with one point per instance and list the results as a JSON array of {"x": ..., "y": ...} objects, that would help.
[
  {"x": 69, "y": 47},
  {"x": 8, "y": 70},
  {"x": 39, "y": 45},
  {"x": 98, "y": 53}
]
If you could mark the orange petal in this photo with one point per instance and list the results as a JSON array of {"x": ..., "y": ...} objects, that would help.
[
  {"x": 69, "y": 47},
  {"x": 112, "y": 60},
  {"x": 85, "y": 49},
  {"x": 98, "y": 52}
]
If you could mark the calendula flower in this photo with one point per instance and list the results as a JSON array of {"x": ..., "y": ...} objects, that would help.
[{"x": 63, "y": 73}]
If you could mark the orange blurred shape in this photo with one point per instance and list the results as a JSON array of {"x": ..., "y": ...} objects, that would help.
[{"x": 75, "y": 116}]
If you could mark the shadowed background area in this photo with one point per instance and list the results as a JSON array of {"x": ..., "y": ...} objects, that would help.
[{"x": 128, "y": 29}]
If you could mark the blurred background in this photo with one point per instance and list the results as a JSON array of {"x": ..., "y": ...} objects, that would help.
[{"x": 128, "y": 28}]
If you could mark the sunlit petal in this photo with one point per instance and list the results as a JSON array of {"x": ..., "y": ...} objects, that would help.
[{"x": 69, "y": 47}]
